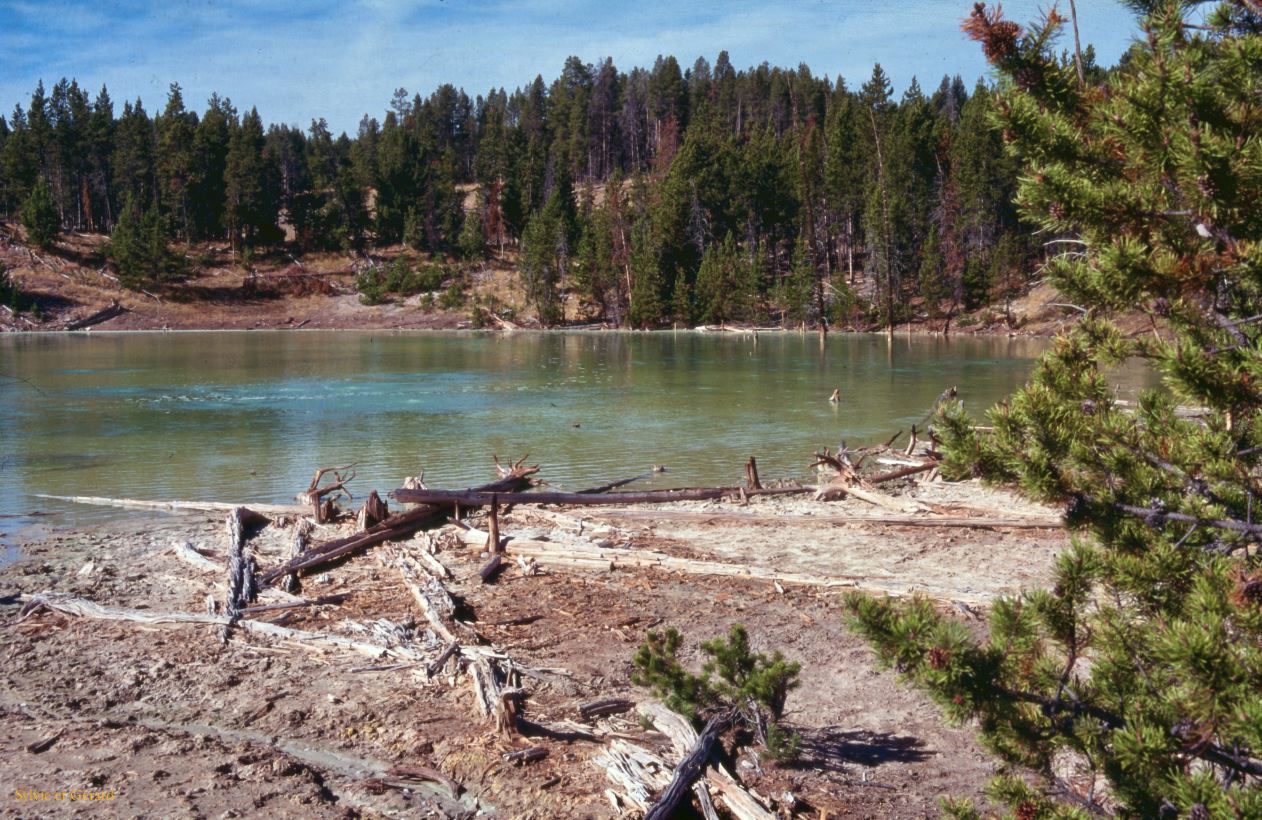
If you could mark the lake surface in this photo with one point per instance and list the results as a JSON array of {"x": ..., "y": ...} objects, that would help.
[{"x": 249, "y": 416}]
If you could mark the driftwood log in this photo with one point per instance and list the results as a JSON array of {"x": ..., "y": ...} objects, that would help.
[
  {"x": 741, "y": 804},
  {"x": 482, "y": 497},
  {"x": 103, "y": 315},
  {"x": 174, "y": 506},
  {"x": 396, "y": 526},
  {"x": 689, "y": 769},
  {"x": 982, "y": 522}
]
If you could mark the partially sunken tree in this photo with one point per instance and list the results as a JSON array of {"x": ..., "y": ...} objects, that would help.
[{"x": 1134, "y": 684}]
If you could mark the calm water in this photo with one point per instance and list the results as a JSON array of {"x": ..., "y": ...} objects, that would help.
[{"x": 249, "y": 416}]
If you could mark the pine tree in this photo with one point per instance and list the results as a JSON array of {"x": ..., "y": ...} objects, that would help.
[
  {"x": 1141, "y": 667},
  {"x": 39, "y": 216},
  {"x": 251, "y": 185},
  {"x": 138, "y": 247}
]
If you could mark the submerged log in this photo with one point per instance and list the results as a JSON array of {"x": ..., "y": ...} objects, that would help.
[
  {"x": 479, "y": 498},
  {"x": 622, "y": 482}
]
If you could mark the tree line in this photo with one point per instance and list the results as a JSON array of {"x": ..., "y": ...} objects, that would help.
[{"x": 659, "y": 195}]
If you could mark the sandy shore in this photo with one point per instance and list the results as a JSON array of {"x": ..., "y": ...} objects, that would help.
[{"x": 171, "y": 722}]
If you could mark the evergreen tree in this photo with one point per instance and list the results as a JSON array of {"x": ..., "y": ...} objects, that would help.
[
  {"x": 138, "y": 247},
  {"x": 175, "y": 129},
  {"x": 1141, "y": 667},
  {"x": 472, "y": 242},
  {"x": 251, "y": 184},
  {"x": 39, "y": 216}
]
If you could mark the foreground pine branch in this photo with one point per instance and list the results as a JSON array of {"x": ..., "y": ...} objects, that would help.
[{"x": 1134, "y": 684}]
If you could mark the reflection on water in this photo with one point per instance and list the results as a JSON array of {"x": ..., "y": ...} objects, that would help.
[{"x": 249, "y": 416}]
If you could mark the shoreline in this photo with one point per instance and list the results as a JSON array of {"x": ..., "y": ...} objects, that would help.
[{"x": 166, "y": 716}]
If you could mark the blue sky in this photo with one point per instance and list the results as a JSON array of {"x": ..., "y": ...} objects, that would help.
[{"x": 296, "y": 61}]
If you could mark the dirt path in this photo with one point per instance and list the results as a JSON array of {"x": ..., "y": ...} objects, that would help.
[{"x": 173, "y": 723}]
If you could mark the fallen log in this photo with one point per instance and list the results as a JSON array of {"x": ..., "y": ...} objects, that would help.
[
  {"x": 901, "y": 473},
  {"x": 636, "y": 771},
  {"x": 480, "y": 498},
  {"x": 175, "y": 506},
  {"x": 189, "y": 554},
  {"x": 103, "y": 315},
  {"x": 396, "y": 526},
  {"x": 528, "y": 755},
  {"x": 689, "y": 769},
  {"x": 438, "y": 663},
  {"x": 683, "y": 737},
  {"x": 81, "y": 607},
  {"x": 433, "y": 600},
  {"x": 259, "y": 609},
  {"x": 1032, "y": 522},
  {"x": 491, "y": 568},
  {"x": 605, "y": 706}
]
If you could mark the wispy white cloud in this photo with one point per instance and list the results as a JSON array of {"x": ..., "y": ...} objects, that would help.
[{"x": 296, "y": 61}]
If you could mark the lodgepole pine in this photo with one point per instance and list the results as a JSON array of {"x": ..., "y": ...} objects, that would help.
[{"x": 1139, "y": 671}]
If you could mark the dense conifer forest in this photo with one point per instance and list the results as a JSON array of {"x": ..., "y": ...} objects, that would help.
[{"x": 706, "y": 194}]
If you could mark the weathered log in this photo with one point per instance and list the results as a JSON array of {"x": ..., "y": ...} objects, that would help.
[
  {"x": 635, "y": 770},
  {"x": 703, "y": 800},
  {"x": 751, "y": 475},
  {"x": 1031, "y": 522},
  {"x": 189, "y": 554},
  {"x": 396, "y": 526},
  {"x": 493, "y": 528},
  {"x": 174, "y": 506},
  {"x": 425, "y": 774},
  {"x": 689, "y": 769},
  {"x": 491, "y": 568},
  {"x": 242, "y": 584},
  {"x": 259, "y": 609},
  {"x": 438, "y": 663},
  {"x": 607, "y": 559},
  {"x": 103, "y": 315},
  {"x": 433, "y": 600},
  {"x": 683, "y": 737},
  {"x": 302, "y": 530},
  {"x": 72, "y": 605},
  {"x": 613, "y": 485},
  {"x": 605, "y": 706},
  {"x": 902, "y": 472},
  {"x": 527, "y": 755},
  {"x": 373, "y": 512},
  {"x": 479, "y": 498}
]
